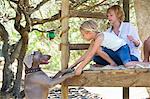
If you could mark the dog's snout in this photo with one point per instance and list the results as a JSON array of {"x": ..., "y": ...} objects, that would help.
[
  {"x": 47, "y": 56},
  {"x": 45, "y": 59}
]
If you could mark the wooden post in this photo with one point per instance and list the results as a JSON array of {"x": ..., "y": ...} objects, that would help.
[
  {"x": 126, "y": 11},
  {"x": 125, "y": 92},
  {"x": 64, "y": 42}
]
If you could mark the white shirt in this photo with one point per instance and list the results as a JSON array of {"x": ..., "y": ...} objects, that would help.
[
  {"x": 112, "y": 41},
  {"x": 125, "y": 29}
]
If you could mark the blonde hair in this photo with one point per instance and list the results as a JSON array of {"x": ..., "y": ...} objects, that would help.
[
  {"x": 118, "y": 12},
  {"x": 89, "y": 26}
]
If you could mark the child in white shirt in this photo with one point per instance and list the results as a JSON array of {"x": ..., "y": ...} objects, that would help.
[{"x": 89, "y": 31}]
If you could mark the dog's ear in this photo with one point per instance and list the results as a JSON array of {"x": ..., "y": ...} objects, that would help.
[{"x": 28, "y": 60}]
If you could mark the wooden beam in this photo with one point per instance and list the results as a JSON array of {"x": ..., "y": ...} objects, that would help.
[
  {"x": 83, "y": 14},
  {"x": 112, "y": 78},
  {"x": 78, "y": 46},
  {"x": 126, "y": 9},
  {"x": 125, "y": 92}
]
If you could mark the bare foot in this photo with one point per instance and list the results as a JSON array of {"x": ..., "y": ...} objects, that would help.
[{"x": 97, "y": 65}]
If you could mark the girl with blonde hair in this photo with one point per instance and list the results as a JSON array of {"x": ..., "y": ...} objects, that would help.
[{"x": 89, "y": 31}]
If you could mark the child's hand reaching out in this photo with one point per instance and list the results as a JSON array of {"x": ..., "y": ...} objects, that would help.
[{"x": 78, "y": 71}]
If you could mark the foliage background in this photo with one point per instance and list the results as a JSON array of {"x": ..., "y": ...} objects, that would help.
[{"x": 39, "y": 41}]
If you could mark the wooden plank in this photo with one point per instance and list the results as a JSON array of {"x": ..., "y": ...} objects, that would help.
[
  {"x": 83, "y": 14},
  {"x": 125, "y": 92},
  {"x": 127, "y": 18},
  {"x": 78, "y": 46},
  {"x": 112, "y": 78},
  {"x": 126, "y": 9},
  {"x": 64, "y": 41}
]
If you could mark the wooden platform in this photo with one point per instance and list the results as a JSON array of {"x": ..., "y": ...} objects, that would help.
[{"x": 112, "y": 78}]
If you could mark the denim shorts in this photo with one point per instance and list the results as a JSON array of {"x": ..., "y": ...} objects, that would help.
[
  {"x": 99, "y": 60},
  {"x": 113, "y": 54},
  {"x": 124, "y": 54}
]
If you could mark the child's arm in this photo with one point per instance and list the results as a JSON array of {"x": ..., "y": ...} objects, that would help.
[
  {"x": 134, "y": 36},
  {"x": 90, "y": 53},
  {"x": 82, "y": 57},
  {"x": 106, "y": 57},
  {"x": 78, "y": 61}
]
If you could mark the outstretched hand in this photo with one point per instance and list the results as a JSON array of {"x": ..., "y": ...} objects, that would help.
[
  {"x": 72, "y": 66},
  {"x": 78, "y": 71}
]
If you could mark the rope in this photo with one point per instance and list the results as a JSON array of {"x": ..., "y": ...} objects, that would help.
[
  {"x": 64, "y": 31},
  {"x": 67, "y": 16}
]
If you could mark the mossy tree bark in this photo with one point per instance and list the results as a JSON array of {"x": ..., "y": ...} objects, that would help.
[{"x": 142, "y": 10}]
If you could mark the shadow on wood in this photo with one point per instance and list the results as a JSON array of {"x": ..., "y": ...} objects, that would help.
[{"x": 112, "y": 78}]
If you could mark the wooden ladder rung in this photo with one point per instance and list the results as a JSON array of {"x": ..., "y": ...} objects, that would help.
[{"x": 77, "y": 46}]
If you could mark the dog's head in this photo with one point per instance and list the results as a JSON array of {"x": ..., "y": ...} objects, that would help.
[{"x": 35, "y": 59}]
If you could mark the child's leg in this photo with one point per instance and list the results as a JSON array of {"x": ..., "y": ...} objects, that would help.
[
  {"x": 106, "y": 57},
  {"x": 99, "y": 60},
  {"x": 137, "y": 63},
  {"x": 124, "y": 54}
]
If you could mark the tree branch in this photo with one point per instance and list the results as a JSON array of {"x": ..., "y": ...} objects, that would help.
[
  {"x": 3, "y": 33},
  {"x": 78, "y": 4},
  {"x": 38, "y": 6},
  {"x": 86, "y": 14},
  {"x": 18, "y": 19},
  {"x": 25, "y": 10},
  {"x": 89, "y": 8},
  {"x": 42, "y": 30},
  {"x": 16, "y": 51},
  {"x": 36, "y": 21},
  {"x": 13, "y": 6},
  {"x": 14, "y": 1}
]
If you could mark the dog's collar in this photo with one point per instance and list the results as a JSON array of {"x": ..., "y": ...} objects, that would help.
[{"x": 32, "y": 70}]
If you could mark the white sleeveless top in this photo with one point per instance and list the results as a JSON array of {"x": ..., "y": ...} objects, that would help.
[{"x": 112, "y": 41}]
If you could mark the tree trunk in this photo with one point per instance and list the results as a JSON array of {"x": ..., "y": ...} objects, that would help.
[
  {"x": 142, "y": 10},
  {"x": 16, "y": 87},
  {"x": 8, "y": 75}
]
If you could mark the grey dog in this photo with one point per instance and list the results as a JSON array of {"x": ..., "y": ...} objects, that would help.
[{"x": 37, "y": 83}]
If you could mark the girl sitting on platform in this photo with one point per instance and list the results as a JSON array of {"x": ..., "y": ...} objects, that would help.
[
  {"x": 89, "y": 31},
  {"x": 125, "y": 31}
]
